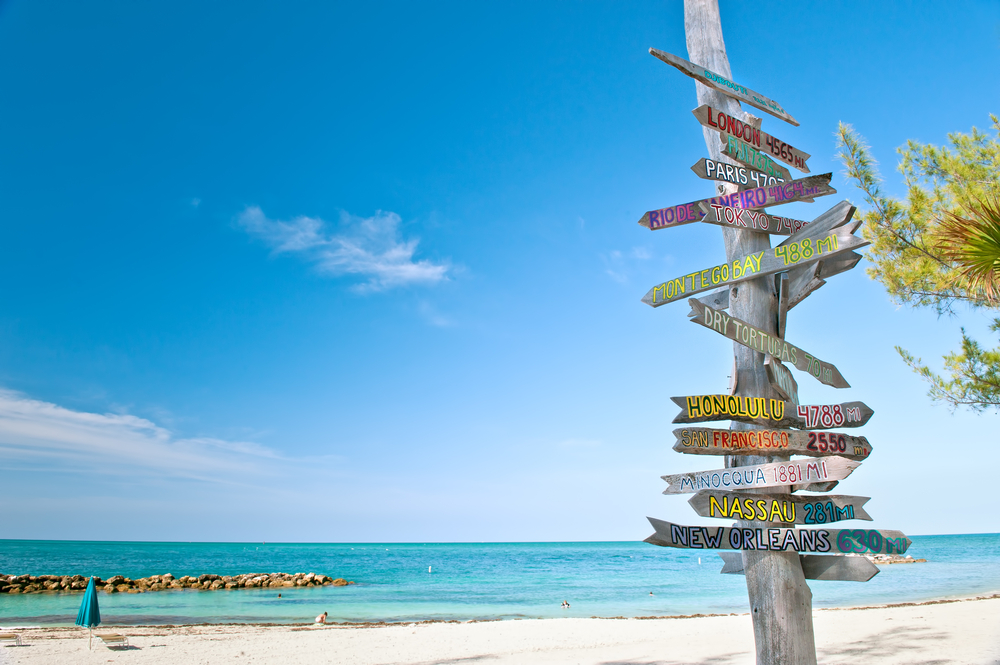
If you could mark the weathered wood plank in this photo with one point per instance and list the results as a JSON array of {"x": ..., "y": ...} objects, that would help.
[
  {"x": 744, "y": 153},
  {"x": 773, "y": 474},
  {"x": 831, "y": 567},
  {"x": 758, "y": 197},
  {"x": 782, "y": 318},
  {"x": 843, "y": 541},
  {"x": 717, "y": 299},
  {"x": 758, "y": 340},
  {"x": 724, "y": 85},
  {"x": 752, "y": 220},
  {"x": 774, "y": 413},
  {"x": 709, "y": 169},
  {"x": 727, "y": 126},
  {"x": 710, "y": 441},
  {"x": 809, "y": 278},
  {"x": 780, "y": 508},
  {"x": 765, "y": 262}
]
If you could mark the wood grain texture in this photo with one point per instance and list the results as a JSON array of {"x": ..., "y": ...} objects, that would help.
[
  {"x": 745, "y": 268},
  {"x": 724, "y": 85},
  {"x": 770, "y": 412},
  {"x": 755, "y": 198},
  {"x": 752, "y": 220},
  {"x": 710, "y": 441},
  {"x": 744, "y": 153},
  {"x": 839, "y": 541},
  {"x": 780, "y": 508},
  {"x": 782, "y": 322},
  {"x": 772, "y": 474},
  {"x": 750, "y": 336},
  {"x": 709, "y": 169},
  {"x": 831, "y": 567},
  {"x": 727, "y": 125}
]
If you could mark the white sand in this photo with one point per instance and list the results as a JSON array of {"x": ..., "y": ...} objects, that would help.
[{"x": 951, "y": 632}]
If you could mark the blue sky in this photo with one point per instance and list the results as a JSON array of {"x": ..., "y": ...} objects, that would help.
[{"x": 371, "y": 271}]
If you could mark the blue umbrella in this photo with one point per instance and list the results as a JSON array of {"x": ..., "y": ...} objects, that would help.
[{"x": 89, "y": 614}]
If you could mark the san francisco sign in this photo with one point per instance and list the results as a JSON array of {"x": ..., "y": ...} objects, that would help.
[
  {"x": 724, "y": 85},
  {"x": 766, "y": 262},
  {"x": 773, "y": 413},
  {"x": 758, "y": 340},
  {"x": 728, "y": 126},
  {"x": 709, "y": 441},
  {"x": 758, "y": 197},
  {"x": 774, "y": 474},
  {"x": 844, "y": 541},
  {"x": 787, "y": 508}
]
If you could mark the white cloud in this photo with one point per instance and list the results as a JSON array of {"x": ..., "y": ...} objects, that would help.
[{"x": 368, "y": 247}]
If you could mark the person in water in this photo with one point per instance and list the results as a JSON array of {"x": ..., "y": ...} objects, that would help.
[
  {"x": 565, "y": 604},
  {"x": 321, "y": 618}
]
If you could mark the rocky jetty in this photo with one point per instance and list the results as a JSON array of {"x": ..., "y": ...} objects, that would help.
[
  {"x": 886, "y": 559},
  {"x": 122, "y": 584}
]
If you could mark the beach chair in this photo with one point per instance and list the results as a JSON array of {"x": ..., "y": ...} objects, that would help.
[
  {"x": 8, "y": 639},
  {"x": 112, "y": 640}
]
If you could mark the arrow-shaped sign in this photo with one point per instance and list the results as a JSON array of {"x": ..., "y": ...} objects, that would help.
[
  {"x": 832, "y": 567},
  {"x": 758, "y": 197},
  {"x": 724, "y": 85},
  {"x": 774, "y": 474},
  {"x": 744, "y": 153},
  {"x": 773, "y": 413},
  {"x": 766, "y": 262},
  {"x": 709, "y": 169},
  {"x": 843, "y": 541},
  {"x": 753, "y": 220},
  {"x": 786, "y": 508},
  {"x": 709, "y": 441},
  {"x": 728, "y": 126},
  {"x": 754, "y": 338}
]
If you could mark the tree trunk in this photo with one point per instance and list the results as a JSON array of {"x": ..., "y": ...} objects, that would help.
[{"x": 780, "y": 599}]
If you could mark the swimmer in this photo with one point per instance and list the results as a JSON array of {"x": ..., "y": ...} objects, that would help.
[{"x": 321, "y": 618}]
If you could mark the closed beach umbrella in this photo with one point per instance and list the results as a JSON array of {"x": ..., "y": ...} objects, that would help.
[{"x": 89, "y": 614}]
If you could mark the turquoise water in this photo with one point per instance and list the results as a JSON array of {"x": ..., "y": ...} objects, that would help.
[{"x": 466, "y": 581}]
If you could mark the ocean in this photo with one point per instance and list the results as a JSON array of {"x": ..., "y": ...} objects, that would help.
[{"x": 404, "y": 582}]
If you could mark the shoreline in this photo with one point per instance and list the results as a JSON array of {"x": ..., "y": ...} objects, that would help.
[{"x": 937, "y": 631}]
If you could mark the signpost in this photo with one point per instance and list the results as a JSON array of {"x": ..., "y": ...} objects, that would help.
[
  {"x": 778, "y": 375},
  {"x": 724, "y": 85},
  {"x": 814, "y": 567},
  {"x": 750, "y": 219},
  {"x": 766, "y": 262},
  {"x": 744, "y": 153},
  {"x": 773, "y": 413},
  {"x": 758, "y": 197},
  {"x": 785, "y": 508},
  {"x": 843, "y": 541},
  {"x": 758, "y": 340},
  {"x": 709, "y": 169},
  {"x": 774, "y": 474},
  {"x": 708, "y": 441},
  {"x": 728, "y": 126}
]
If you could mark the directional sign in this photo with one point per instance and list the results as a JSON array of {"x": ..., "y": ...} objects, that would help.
[
  {"x": 844, "y": 541},
  {"x": 758, "y": 197},
  {"x": 766, "y": 262},
  {"x": 727, "y": 126},
  {"x": 832, "y": 567},
  {"x": 758, "y": 340},
  {"x": 773, "y": 474},
  {"x": 708, "y": 441},
  {"x": 774, "y": 413},
  {"x": 744, "y": 153},
  {"x": 724, "y": 85},
  {"x": 752, "y": 220},
  {"x": 807, "y": 279},
  {"x": 709, "y": 169},
  {"x": 787, "y": 508}
]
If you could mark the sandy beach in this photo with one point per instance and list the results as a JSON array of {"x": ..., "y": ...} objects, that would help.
[{"x": 963, "y": 631}]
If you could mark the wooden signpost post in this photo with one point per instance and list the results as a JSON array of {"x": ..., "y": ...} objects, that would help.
[
  {"x": 786, "y": 508},
  {"x": 709, "y": 169},
  {"x": 758, "y": 197},
  {"x": 774, "y": 474},
  {"x": 773, "y": 413},
  {"x": 815, "y": 567},
  {"x": 728, "y": 126},
  {"x": 758, "y": 284},
  {"x": 844, "y": 541},
  {"x": 724, "y": 85},
  {"x": 758, "y": 340},
  {"x": 708, "y": 441}
]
